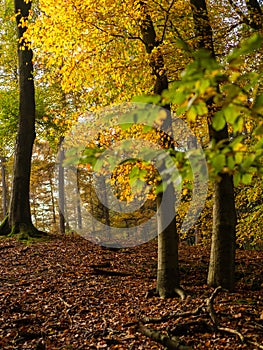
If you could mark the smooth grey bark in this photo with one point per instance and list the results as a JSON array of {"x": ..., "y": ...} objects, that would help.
[
  {"x": 168, "y": 279},
  {"x": 19, "y": 217},
  {"x": 222, "y": 257}
]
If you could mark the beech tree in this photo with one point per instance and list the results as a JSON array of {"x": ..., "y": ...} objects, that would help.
[
  {"x": 167, "y": 269},
  {"x": 222, "y": 259},
  {"x": 19, "y": 216}
]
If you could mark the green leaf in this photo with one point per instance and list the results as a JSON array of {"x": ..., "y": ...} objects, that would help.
[
  {"x": 142, "y": 174},
  {"x": 203, "y": 85},
  {"x": 258, "y": 105},
  {"x": 236, "y": 179},
  {"x": 125, "y": 126},
  {"x": 239, "y": 157},
  {"x": 175, "y": 95},
  {"x": 134, "y": 172},
  {"x": 246, "y": 179},
  {"x": 253, "y": 43},
  {"x": 238, "y": 125},
  {"x": 231, "y": 113},
  {"x": 147, "y": 128},
  {"x": 259, "y": 130},
  {"x": 218, "y": 121},
  {"x": 201, "y": 108},
  {"x": 147, "y": 99},
  {"x": 99, "y": 163},
  {"x": 219, "y": 162},
  {"x": 191, "y": 114},
  {"x": 237, "y": 140},
  {"x": 231, "y": 162},
  {"x": 160, "y": 188},
  {"x": 248, "y": 161}
]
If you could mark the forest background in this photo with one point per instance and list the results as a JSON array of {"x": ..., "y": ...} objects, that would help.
[
  {"x": 78, "y": 46},
  {"x": 77, "y": 59}
]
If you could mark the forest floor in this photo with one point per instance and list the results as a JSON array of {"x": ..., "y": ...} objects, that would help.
[{"x": 68, "y": 293}]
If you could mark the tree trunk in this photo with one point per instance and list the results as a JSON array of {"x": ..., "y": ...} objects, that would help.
[
  {"x": 19, "y": 219},
  {"x": 222, "y": 257},
  {"x": 61, "y": 187},
  {"x": 167, "y": 270},
  {"x": 4, "y": 186},
  {"x": 52, "y": 199},
  {"x": 168, "y": 280},
  {"x": 79, "y": 215}
]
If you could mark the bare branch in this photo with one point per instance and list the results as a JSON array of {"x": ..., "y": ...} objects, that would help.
[
  {"x": 232, "y": 331},
  {"x": 166, "y": 19},
  {"x": 239, "y": 12},
  {"x": 172, "y": 343}
]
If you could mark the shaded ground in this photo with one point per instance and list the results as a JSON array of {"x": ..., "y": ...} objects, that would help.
[{"x": 71, "y": 294}]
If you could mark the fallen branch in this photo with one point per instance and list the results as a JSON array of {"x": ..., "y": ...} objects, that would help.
[
  {"x": 166, "y": 318},
  {"x": 232, "y": 331},
  {"x": 200, "y": 326},
  {"x": 255, "y": 344},
  {"x": 172, "y": 343}
]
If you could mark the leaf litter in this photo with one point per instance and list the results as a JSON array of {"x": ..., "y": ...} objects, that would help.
[{"x": 68, "y": 293}]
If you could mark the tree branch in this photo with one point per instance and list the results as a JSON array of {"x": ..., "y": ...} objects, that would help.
[
  {"x": 239, "y": 12},
  {"x": 166, "y": 20},
  {"x": 172, "y": 343}
]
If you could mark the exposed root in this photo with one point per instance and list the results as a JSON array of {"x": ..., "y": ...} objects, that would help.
[
  {"x": 206, "y": 309},
  {"x": 180, "y": 292},
  {"x": 25, "y": 232},
  {"x": 210, "y": 305}
]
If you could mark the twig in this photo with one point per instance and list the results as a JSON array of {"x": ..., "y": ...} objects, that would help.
[
  {"x": 232, "y": 331},
  {"x": 257, "y": 325},
  {"x": 166, "y": 20},
  {"x": 255, "y": 344},
  {"x": 65, "y": 303}
]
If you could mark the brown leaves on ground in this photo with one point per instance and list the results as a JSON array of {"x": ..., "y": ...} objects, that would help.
[{"x": 70, "y": 294}]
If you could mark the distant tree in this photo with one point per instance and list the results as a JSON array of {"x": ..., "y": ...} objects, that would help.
[
  {"x": 42, "y": 187},
  {"x": 61, "y": 187}
]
